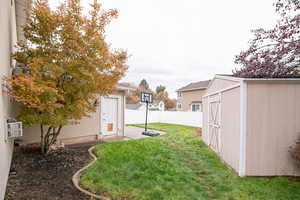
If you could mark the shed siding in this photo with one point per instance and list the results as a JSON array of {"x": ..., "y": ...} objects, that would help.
[
  {"x": 219, "y": 84},
  {"x": 272, "y": 127},
  {"x": 230, "y": 129}
]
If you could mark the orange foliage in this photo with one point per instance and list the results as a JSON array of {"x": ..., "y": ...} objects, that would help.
[{"x": 65, "y": 63}]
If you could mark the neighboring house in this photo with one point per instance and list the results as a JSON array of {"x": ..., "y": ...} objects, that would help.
[
  {"x": 129, "y": 86},
  {"x": 138, "y": 106},
  {"x": 12, "y": 16},
  {"x": 252, "y": 123},
  {"x": 157, "y": 106},
  {"x": 189, "y": 97}
]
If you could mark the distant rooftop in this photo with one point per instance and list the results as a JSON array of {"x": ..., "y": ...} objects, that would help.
[
  {"x": 127, "y": 85},
  {"x": 133, "y": 106},
  {"x": 195, "y": 86}
]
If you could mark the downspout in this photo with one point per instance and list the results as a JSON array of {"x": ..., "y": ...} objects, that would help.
[{"x": 243, "y": 128}]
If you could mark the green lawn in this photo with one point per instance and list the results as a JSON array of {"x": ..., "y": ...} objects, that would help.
[{"x": 175, "y": 166}]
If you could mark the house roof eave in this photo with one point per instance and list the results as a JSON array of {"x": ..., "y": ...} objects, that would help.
[{"x": 183, "y": 90}]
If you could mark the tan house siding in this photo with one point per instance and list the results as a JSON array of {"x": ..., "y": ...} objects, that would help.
[
  {"x": 273, "y": 126},
  {"x": 7, "y": 41},
  {"x": 187, "y": 97},
  {"x": 87, "y": 129},
  {"x": 21, "y": 7}
]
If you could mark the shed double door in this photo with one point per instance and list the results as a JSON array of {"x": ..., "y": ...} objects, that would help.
[{"x": 215, "y": 123}]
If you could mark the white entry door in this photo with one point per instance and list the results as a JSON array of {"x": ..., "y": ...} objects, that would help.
[{"x": 109, "y": 115}]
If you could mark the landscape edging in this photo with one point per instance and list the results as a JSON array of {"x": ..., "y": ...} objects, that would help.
[{"x": 77, "y": 175}]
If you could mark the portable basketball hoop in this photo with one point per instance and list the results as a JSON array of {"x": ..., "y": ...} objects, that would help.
[{"x": 147, "y": 98}]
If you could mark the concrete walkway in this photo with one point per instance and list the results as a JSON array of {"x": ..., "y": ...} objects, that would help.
[
  {"x": 134, "y": 133},
  {"x": 130, "y": 133}
]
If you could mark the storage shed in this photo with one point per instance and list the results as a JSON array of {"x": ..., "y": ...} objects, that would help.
[{"x": 251, "y": 123}]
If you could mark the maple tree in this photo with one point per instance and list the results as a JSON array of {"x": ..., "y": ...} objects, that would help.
[
  {"x": 274, "y": 53},
  {"x": 64, "y": 64}
]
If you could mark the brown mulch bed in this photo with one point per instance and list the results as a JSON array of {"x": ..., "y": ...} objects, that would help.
[{"x": 37, "y": 177}]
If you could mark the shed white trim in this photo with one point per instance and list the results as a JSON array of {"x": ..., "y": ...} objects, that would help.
[
  {"x": 231, "y": 78},
  {"x": 118, "y": 126},
  {"x": 243, "y": 128},
  {"x": 220, "y": 121},
  {"x": 123, "y": 115}
]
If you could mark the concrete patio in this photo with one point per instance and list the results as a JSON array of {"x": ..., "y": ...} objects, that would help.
[
  {"x": 134, "y": 133},
  {"x": 131, "y": 133}
]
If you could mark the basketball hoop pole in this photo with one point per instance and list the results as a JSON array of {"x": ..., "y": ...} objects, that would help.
[
  {"x": 146, "y": 116},
  {"x": 146, "y": 98}
]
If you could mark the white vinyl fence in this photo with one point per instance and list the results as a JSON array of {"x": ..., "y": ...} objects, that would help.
[{"x": 172, "y": 117}]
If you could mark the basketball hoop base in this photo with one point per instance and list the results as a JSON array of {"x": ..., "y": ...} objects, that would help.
[{"x": 150, "y": 133}]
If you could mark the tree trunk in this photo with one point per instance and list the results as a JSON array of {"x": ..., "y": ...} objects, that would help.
[
  {"x": 49, "y": 138},
  {"x": 42, "y": 139}
]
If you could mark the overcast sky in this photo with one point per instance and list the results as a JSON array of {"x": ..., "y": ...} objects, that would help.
[{"x": 174, "y": 42}]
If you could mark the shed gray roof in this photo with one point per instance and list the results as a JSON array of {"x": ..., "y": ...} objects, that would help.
[{"x": 195, "y": 86}]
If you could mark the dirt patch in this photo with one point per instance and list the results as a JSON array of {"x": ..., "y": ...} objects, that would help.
[
  {"x": 48, "y": 177},
  {"x": 198, "y": 132}
]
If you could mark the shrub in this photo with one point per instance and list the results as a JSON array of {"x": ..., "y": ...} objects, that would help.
[{"x": 295, "y": 151}]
